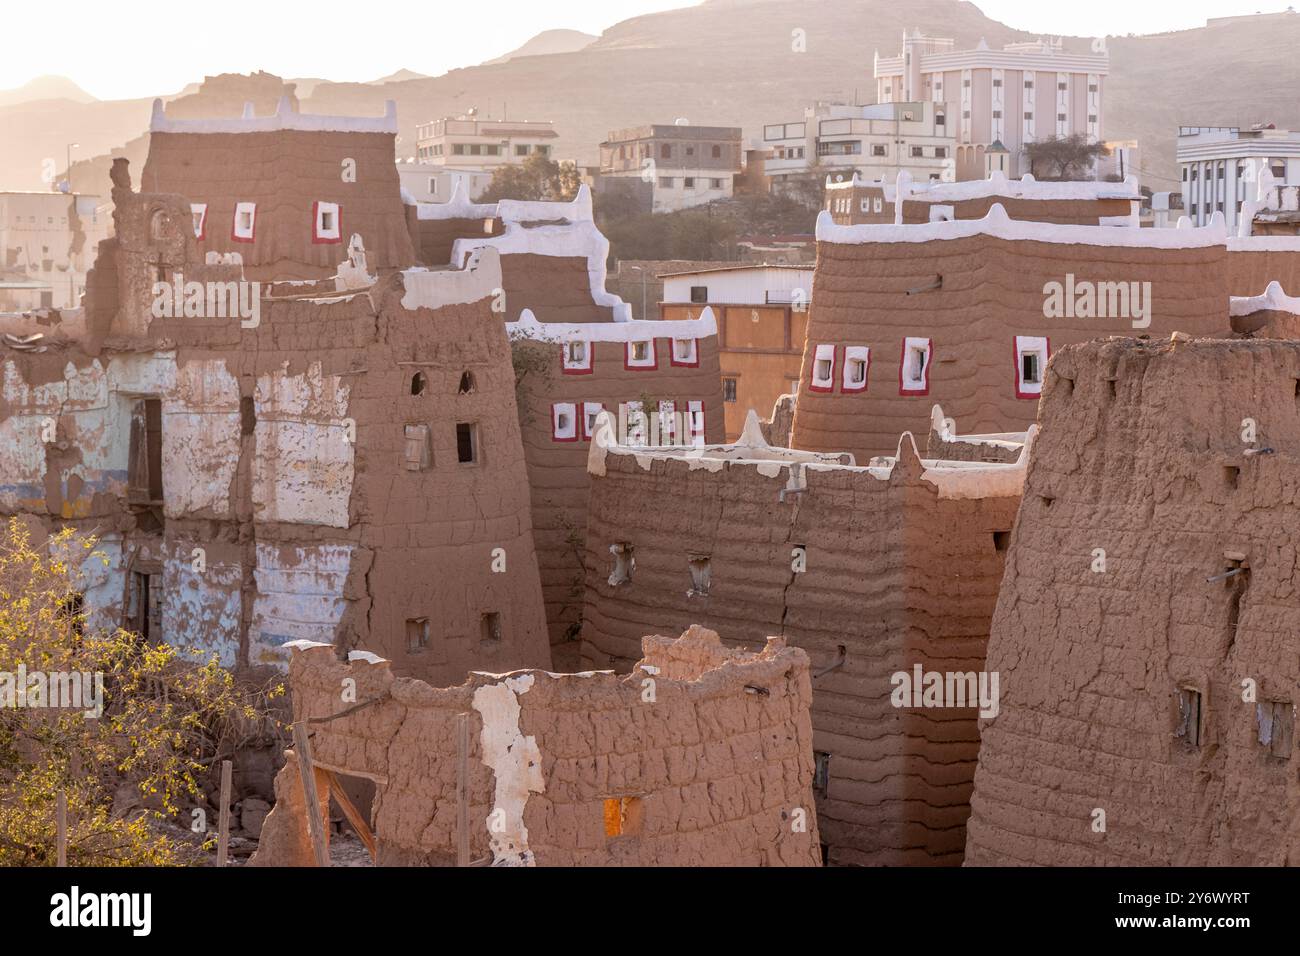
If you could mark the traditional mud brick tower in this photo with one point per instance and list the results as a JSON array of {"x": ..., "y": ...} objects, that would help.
[
  {"x": 702, "y": 756},
  {"x": 285, "y": 191},
  {"x": 967, "y": 313},
  {"x": 577, "y": 351},
  {"x": 856, "y": 201},
  {"x": 1146, "y": 627},
  {"x": 872, "y": 570},
  {"x": 337, "y": 460}
]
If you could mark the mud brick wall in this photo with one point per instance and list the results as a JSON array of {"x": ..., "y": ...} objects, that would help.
[
  {"x": 1141, "y": 454},
  {"x": 992, "y": 290},
  {"x": 712, "y": 747},
  {"x": 896, "y": 575},
  {"x": 1255, "y": 262},
  {"x": 557, "y": 470},
  {"x": 553, "y": 288},
  {"x": 285, "y": 172},
  {"x": 434, "y": 238}
]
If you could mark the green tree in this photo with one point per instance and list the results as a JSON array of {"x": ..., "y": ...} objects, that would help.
[
  {"x": 1063, "y": 157},
  {"x": 537, "y": 179},
  {"x": 163, "y": 722}
]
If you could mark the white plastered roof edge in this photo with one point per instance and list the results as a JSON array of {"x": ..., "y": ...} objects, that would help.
[
  {"x": 998, "y": 224},
  {"x": 579, "y": 209},
  {"x": 285, "y": 117},
  {"x": 1273, "y": 300},
  {"x": 996, "y": 185},
  {"x": 433, "y": 289},
  {"x": 631, "y": 330}
]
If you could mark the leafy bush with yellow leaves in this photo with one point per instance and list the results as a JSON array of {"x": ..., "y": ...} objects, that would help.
[{"x": 167, "y": 715}]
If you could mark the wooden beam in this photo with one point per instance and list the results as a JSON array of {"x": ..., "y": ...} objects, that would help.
[
  {"x": 302, "y": 747},
  {"x": 223, "y": 815},
  {"x": 61, "y": 828},
  {"x": 462, "y": 790},
  {"x": 352, "y": 814}
]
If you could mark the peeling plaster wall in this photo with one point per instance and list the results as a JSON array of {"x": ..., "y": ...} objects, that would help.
[
  {"x": 305, "y": 454},
  {"x": 723, "y": 775},
  {"x": 300, "y": 596},
  {"x": 1093, "y": 661},
  {"x": 896, "y": 572}
]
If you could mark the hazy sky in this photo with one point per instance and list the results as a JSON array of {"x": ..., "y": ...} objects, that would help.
[{"x": 138, "y": 48}]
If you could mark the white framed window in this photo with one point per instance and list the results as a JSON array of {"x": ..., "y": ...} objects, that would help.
[
  {"x": 914, "y": 369},
  {"x": 823, "y": 369},
  {"x": 578, "y": 357},
  {"x": 327, "y": 223},
  {"x": 641, "y": 355},
  {"x": 857, "y": 363},
  {"x": 638, "y": 425},
  {"x": 199, "y": 214},
  {"x": 1031, "y": 355},
  {"x": 667, "y": 422},
  {"x": 589, "y": 412},
  {"x": 564, "y": 421},
  {"x": 879, "y": 204},
  {"x": 244, "y": 227},
  {"x": 695, "y": 415},
  {"x": 686, "y": 353},
  {"x": 866, "y": 205}
]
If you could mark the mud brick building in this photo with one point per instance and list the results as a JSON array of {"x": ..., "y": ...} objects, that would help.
[
  {"x": 700, "y": 757},
  {"x": 870, "y": 569},
  {"x": 1160, "y": 687}
]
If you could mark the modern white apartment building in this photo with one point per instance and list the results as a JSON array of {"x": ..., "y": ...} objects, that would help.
[
  {"x": 875, "y": 141},
  {"x": 1013, "y": 96},
  {"x": 48, "y": 242},
  {"x": 474, "y": 143},
  {"x": 429, "y": 182},
  {"x": 1221, "y": 166},
  {"x": 685, "y": 165}
]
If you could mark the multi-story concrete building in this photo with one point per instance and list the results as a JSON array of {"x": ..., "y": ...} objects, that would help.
[
  {"x": 686, "y": 165},
  {"x": 1020, "y": 94},
  {"x": 1221, "y": 166},
  {"x": 431, "y": 182},
  {"x": 762, "y": 313},
  {"x": 47, "y": 244},
  {"x": 473, "y": 143},
  {"x": 876, "y": 141}
]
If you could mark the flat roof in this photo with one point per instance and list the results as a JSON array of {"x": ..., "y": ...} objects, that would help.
[{"x": 741, "y": 267}]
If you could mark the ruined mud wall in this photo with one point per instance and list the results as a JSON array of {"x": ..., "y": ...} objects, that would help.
[
  {"x": 706, "y": 754},
  {"x": 1122, "y": 688},
  {"x": 896, "y": 574},
  {"x": 286, "y": 172},
  {"x": 971, "y": 288},
  {"x": 557, "y": 466}
]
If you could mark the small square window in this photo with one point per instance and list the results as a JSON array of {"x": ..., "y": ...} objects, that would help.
[
  {"x": 914, "y": 373},
  {"x": 417, "y": 634},
  {"x": 821, "y": 772},
  {"x": 641, "y": 355},
  {"x": 589, "y": 412},
  {"x": 685, "y": 353},
  {"x": 245, "y": 226},
  {"x": 419, "y": 450},
  {"x": 1031, "y": 354},
  {"x": 199, "y": 214},
  {"x": 624, "y": 563},
  {"x": 701, "y": 574},
  {"x": 700, "y": 293},
  {"x": 623, "y": 816},
  {"x": 466, "y": 443},
  {"x": 823, "y": 369},
  {"x": 688, "y": 182},
  {"x": 1189, "y": 716},
  {"x": 695, "y": 416},
  {"x": 856, "y": 362},
  {"x": 564, "y": 421},
  {"x": 490, "y": 627},
  {"x": 1276, "y": 719},
  {"x": 578, "y": 358}
]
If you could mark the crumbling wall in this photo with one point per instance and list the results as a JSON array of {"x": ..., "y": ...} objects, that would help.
[
  {"x": 1148, "y": 701},
  {"x": 705, "y": 753},
  {"x": 871, "y": 571},
  {"x": 970, "y": 288}
]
